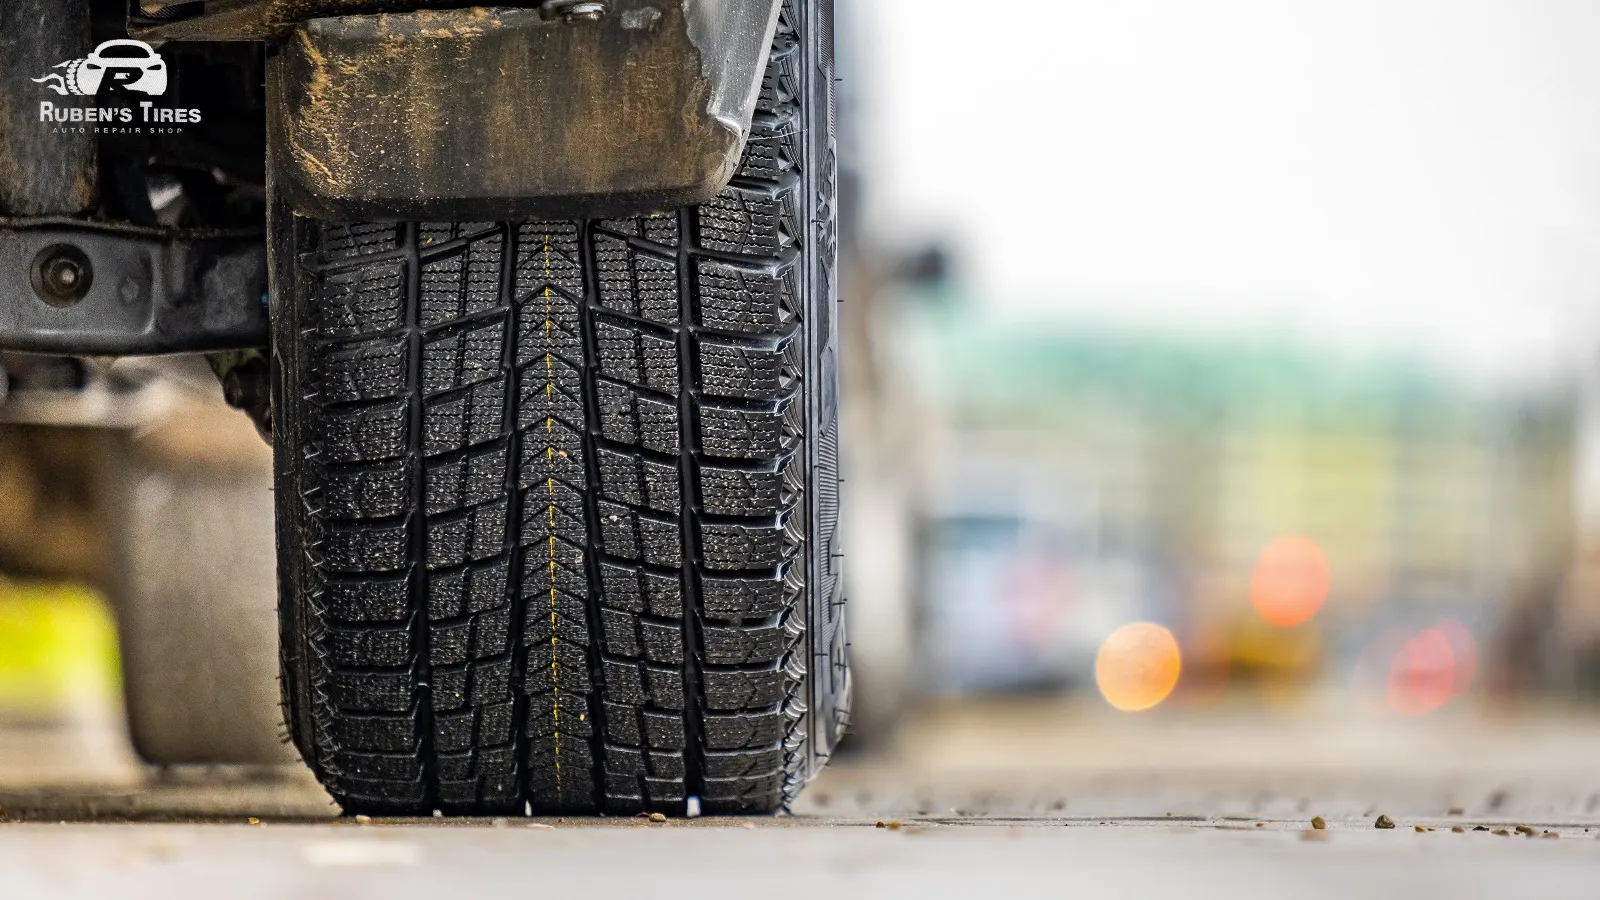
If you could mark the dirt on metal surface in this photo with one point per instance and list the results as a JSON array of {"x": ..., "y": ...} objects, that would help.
[{"x": 444, "y": 113}]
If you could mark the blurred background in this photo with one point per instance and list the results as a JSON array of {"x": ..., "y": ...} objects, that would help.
[
  {"x": 1202, "y": 360},
  {"x": 1272, "y": 325}
]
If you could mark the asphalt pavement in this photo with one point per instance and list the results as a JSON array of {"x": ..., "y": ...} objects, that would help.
[{"x": 1041, "y": 798}]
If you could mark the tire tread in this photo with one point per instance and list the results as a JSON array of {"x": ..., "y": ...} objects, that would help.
[{"x": 546, "y": 499}]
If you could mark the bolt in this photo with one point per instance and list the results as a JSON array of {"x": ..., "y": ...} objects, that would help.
[
  {"x": 61, "y": 275},
  {"x": 572, "y": 10}
]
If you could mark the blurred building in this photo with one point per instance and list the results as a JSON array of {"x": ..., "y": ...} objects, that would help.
[{"x": 1081, "y": 479}]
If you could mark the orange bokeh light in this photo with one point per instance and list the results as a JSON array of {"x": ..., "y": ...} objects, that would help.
[
  {"x": 1138, "y": 666},
  {"x": 1290, "y": 581}
]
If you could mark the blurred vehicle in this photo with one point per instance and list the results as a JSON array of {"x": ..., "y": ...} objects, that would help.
[
  {"x": 138, "y": 479},
  {"x": 1021, "y": 586}
]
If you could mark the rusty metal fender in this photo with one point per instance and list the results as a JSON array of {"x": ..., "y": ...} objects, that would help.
[
  {"x": 516, "y": 113},
  {"x": 43, "y": 171}
]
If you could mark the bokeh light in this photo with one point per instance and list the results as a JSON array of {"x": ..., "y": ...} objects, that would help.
[
  {"x": 1424, "y": 675},
  {"x": 1465, "y": 648},
  {"x": 1290, "y": 581},
  {"x": 1137, "y": 666}
]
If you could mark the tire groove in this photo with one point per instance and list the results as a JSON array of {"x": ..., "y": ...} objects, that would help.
[
  {"x": 767, "y": 341},
  {"x": 688, "y": 490},
  {"x": 513, "y": 535},
  {"x": 588, "y": 270},
  {"x": 417, "y": 579}
]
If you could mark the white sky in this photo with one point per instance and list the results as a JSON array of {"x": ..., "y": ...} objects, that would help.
[{"x": 1373, "y": 174}]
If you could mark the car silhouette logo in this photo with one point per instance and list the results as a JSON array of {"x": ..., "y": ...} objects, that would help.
[{"x": 127, "y": 64}]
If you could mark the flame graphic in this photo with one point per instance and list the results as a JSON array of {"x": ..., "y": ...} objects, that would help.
[{"x": 60, "y": 85}]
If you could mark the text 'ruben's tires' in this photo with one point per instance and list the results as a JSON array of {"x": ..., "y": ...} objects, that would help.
[{"x": 557, "y": 501}]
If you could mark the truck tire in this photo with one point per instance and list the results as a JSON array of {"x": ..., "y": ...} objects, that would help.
[
  {"x": 558, "y": 501},
  {"x": 191, "y": 580}
]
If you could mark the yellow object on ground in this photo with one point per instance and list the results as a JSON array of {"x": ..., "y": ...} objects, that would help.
[{"x": 58, "y": 650}]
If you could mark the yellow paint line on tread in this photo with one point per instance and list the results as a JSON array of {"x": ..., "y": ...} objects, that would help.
[{"x": 550, "y": 490}]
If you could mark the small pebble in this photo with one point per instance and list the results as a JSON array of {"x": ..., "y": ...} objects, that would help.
[
  {"x": 1501, "y": 832},
  {"x": 1383, "y": 822},
  {"x": 892, "y": 824},
  {"x": 658, "y": 817},
  {"x": 1457, "y": 829},
  {"x": 363, "y": 820},
  {"x": 1319, "y": 822},
  {"x": 1524, "y": 829}
]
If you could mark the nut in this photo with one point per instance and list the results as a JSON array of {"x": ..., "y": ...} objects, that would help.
[{"x": 61, "y": 275}]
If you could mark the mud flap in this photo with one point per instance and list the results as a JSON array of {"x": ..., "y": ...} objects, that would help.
[{"x": 516, "y": 113}]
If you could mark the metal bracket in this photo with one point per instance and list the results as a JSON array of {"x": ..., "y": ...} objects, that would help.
[{"x": 102, "y": 288}]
